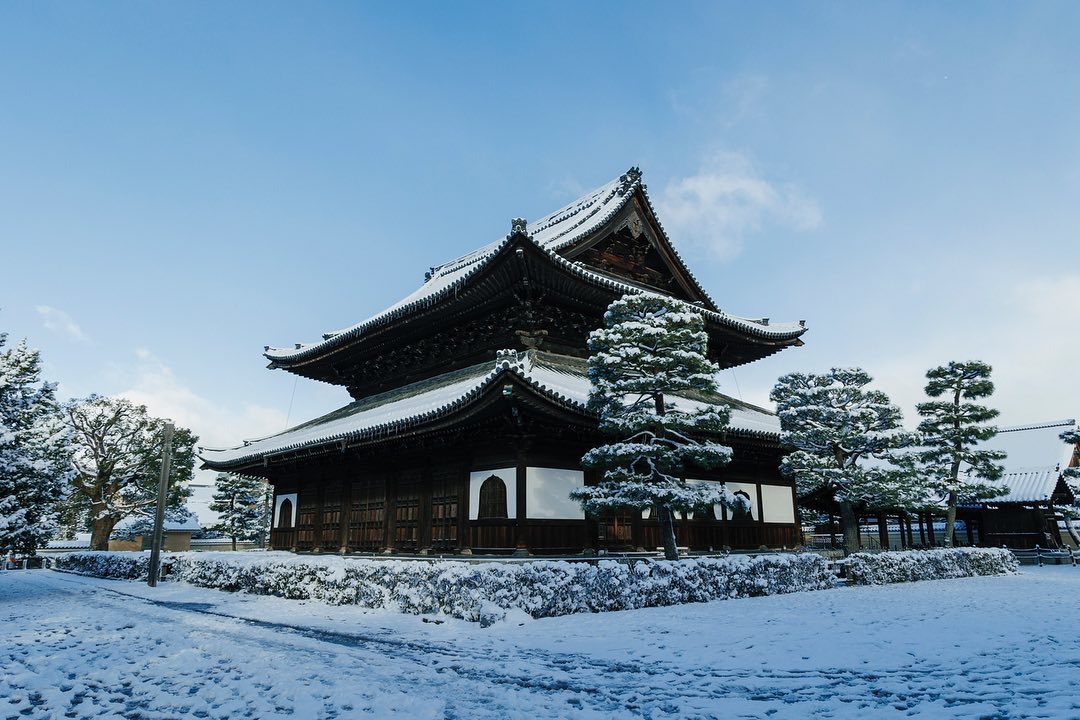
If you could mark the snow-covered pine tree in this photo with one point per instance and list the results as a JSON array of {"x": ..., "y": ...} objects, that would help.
[
  {"x": 240, "y": 502},
  {"x": 116, "y": 452},
  {"x": 650, "y": 349},
  {"x": 948, "y": 461},
  {"x": 34, "y": 463},
  {"x": 1072, "y": 478},
  {"x": 836, "y": 424}
]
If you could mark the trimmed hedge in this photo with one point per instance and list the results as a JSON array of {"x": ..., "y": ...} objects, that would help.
[
  {"x": 480, "y": 592},
  {"x": 942, "y": 563}
]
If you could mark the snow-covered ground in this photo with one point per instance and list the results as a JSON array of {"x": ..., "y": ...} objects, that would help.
[{"x": 986, "y": 647}]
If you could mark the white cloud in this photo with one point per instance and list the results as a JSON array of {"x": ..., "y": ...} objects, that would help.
[
  {"x": 60, "y": 322},
  {"x": 1024, "y": 332},
  {"x": 156, "y": 386},
  {"x": 727, "y": 199}
]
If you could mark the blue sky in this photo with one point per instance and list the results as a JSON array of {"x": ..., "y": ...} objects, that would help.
[{"x": 184, "y": 183}]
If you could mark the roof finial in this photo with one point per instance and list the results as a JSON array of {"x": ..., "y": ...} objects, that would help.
[
  {"x": 628, "y": 179},
  {"x": 518, "y": 226}
]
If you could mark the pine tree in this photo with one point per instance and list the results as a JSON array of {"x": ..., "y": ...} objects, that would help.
[
  {"x": 1072, "y": 479},
  {"x": 240, "y": 502},
  {"x": 835, "y": 425},
  {"x": 33, "y": 451},
  {"x": 651, "y": 349},
  {"x": 951, "y": 429},
  {"x": 116, "y": 452}
]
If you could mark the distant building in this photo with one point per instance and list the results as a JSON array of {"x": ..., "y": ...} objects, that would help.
[
  {"x": 1024, "y": 514},
  {"x": 470, "y": 395}
]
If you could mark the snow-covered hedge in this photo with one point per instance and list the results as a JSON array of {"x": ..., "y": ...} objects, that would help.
[
  {"x": 118, "y": 565},
  {"x": 482, "y": 592},
  {"x": 894, "y": 567}
]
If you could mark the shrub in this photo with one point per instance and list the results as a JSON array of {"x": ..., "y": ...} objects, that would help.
[
  {"x": 894, "y": 567},
  {"x": 480, "y": 592}
]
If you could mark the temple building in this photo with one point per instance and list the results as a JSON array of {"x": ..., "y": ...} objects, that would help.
[
  {"x": 469, "y": 414},
  {"x": 1027, "y": 511}
]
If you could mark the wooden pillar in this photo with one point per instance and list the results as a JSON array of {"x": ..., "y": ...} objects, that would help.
[
  {"x": 832, "y": 531},
  {"x": 883, "y": 530},
  {"x": 760, "y": 512},
  {"x": 391, "y": 511},
  {"x": 423, "y": 511},
  {"x": 320, "y": 495},
  {"x": 522, "y": 540},
  {"x": 922, "y": 529},
  {"x": 930, "y": 529},
  {"x": 970, "y": 531},
  {"x": 345, "y": 479},
  {"x": 637, "y": 531},
  {"x": 464, "y": 524}
]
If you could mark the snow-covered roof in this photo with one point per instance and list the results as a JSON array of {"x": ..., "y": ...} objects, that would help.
[
  {"x": 560, "y": 379},
  {"x": 1034, "y": 445},
  {"x": 1033, "y": 485},
  {"x": 191, "y": 523},
  {"x": 68, "y": 544},
  {"x": 551, "y": 234},
  {"x": 1034, "y": 461}
]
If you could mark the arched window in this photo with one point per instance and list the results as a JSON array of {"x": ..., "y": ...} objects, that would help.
[
  {"x": 492, "y": 499},
  {"x": 741, "y": 511},
  {"x": 284, "y": 518}
]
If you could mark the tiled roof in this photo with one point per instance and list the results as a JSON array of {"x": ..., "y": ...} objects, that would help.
[
  {"x": 558, "y": 378},
  {"x": 1031, "y": 485},
  {"x": 1034, "y": 445},
  {"x": 551, "y": 234}
]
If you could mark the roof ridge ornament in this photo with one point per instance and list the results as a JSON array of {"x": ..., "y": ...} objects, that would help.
[
  {"x": 628, "y": 179},
  {"x": 510, "y": 360},
  {"x": 518, "y": 226}
]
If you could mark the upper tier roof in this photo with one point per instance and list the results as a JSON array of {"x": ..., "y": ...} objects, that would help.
[
  {"x": 553, "y": 234},
  {"x": 558, "y": 379}
]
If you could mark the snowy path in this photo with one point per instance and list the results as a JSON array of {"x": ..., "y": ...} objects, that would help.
[{"x": 77, "y": 647}]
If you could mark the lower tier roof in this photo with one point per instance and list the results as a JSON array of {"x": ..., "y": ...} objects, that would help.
[{"x": 557, "y": 379}]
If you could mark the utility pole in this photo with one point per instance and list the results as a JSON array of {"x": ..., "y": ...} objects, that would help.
[{"x": 159, "y": 514}]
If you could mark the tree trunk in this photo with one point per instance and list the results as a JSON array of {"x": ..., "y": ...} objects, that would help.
[
  {"x": 100, "y": 531},
  {"x": 849, "y": 524},
  {"x": 950, "y": 520},
  {"x": 667, "y": 532},
  {"x": 1072, "y": 529}
]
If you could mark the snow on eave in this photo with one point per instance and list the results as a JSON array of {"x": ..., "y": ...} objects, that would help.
[
  {"x": 482, "y": 382},
  {"x": 449, "y": 277},
  {"x": 460, "y": 270},
  {"x": 519, "y": 365},
  {"x": 777, "y": 331}
]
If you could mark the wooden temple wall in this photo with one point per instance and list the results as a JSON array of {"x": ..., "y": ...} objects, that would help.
[{"x": 354, "y": 504}]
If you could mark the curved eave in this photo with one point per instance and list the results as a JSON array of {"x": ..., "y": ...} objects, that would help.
[
  {"x": 462, "y": 407},
  {"x": 770, "y": 338},
  {"x": 468, "y": 266},
  {"x": 487, "y": 391}
]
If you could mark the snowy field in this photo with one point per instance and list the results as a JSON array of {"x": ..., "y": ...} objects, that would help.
[{"x": 985, "y": 647}]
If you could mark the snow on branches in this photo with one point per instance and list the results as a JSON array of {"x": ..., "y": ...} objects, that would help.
[
  {"x": 836, "y": 424},
  {"x": 948, "y": 462},
  {"x": 644, "y": 362},
  {"x": 33, "y": 442},
  {"x": 116, "y": 452}
]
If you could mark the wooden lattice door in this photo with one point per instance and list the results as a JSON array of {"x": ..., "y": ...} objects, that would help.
[
  {"x": 306, "y": 511},
  {"x": 444, "y": 509},
  {"x": 407, "y": 512},
  {"x": 367, "y": 522},
  {"x": 331, "y": 519}
]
